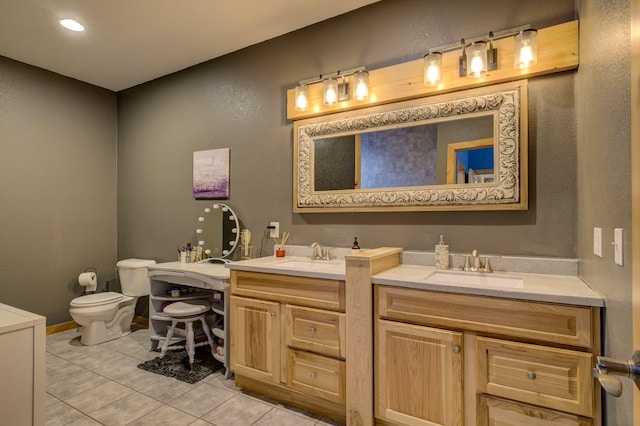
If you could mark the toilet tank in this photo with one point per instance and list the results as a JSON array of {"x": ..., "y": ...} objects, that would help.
[{"x": 133, "y": 276}]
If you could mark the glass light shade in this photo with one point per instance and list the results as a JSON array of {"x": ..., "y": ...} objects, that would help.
[
  {"x": 302, "y": 97},
  {"x": 361, "y": 84},
  {"x": 476, "y": 54},
  {"x": 525, "y": 48},
  {"x": 433, "y": 69},
  {"x": 330, "y": 91}
]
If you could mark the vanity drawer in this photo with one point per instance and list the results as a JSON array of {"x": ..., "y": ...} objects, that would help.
[
  {"x": 315, "y": 330},
  {"x": 305, "y": 291},
  {"x": 495, "y": 411},
  {"x": 547, "y": 322},
  {"x": 555, "y": 378},
  {"x": 316, "y": 375}
]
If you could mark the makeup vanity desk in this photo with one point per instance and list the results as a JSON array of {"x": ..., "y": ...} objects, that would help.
[{"x": 203, "y": 280}]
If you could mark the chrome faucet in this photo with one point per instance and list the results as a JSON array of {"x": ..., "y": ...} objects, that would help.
[
  {"x": 319, "y": 252},
  {"x": 474, "y": 264}
]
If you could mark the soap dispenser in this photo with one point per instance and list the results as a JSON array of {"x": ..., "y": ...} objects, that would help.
[
  {"x": 442, "y": 254},
  {"x": 355, "y": 246}
]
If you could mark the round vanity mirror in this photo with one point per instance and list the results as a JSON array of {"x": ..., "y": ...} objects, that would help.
[{"x": 218, "y": 232}]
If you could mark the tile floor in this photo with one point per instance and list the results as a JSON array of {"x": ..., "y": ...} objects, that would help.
[{"x": 101, "y": 385}]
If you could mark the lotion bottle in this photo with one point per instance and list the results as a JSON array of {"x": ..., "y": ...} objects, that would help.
[
  {"x": 355, "y": 246},
  {"x": 442, "y": 254}
]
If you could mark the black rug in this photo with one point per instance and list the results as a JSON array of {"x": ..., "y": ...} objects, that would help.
[{"x": 176, "y": 364}]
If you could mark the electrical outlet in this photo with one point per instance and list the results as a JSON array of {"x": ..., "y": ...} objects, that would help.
[
  {"x": 274, "y": 232},
  {"x": 597, "y": 241}
]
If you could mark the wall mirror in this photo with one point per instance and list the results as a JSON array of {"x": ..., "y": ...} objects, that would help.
[
  {"x": 218, "y": 232},
  {"x": 458, "y": 151}
]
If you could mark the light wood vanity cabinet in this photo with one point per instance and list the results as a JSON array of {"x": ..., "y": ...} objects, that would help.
[
  {"x": 288, "y": 339},
  {"x": 419, "y": 374},
  {"x": 255, "y": 339},
  {"x": 455, "y": 359}
]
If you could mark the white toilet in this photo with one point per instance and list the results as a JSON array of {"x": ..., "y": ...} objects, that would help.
[{"x": 107, "y": 316}]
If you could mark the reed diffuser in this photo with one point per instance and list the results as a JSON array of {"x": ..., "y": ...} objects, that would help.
[{"x": 279, "y": 247}]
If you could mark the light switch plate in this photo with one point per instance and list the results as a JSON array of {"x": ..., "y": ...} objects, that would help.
[
  {"x": 597, "y": 241},
  {"x": 618, "y": 246}
]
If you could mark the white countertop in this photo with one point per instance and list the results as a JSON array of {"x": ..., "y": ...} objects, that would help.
[
  {"x": 213, "y": 270},
  {"x": 536, "y": 287},
  {"x": 207, "y": 275},
  {"x": 12, "y": 319},
  {"x": 293, "y": 265}
]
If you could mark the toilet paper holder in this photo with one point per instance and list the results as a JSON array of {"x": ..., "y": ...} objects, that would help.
[{"x": 88, "y": 279}]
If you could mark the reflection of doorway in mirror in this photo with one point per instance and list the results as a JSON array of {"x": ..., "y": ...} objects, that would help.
[{"x": 471, "y": 162}]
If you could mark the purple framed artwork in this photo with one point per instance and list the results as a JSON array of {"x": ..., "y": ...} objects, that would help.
[{"x": 211, "y": 174}]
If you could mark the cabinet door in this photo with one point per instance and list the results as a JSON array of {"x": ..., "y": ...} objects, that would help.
[
  {"x": 419, "y": 375},
  {"x": 255, "y": 338}
]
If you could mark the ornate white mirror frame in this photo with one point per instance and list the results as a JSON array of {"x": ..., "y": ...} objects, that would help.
[{"x": 507, "y": 103}]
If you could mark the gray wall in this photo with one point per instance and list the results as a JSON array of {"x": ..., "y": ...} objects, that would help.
[
  {"x": 603, "y": 105},
  {"x": 57, "y": 187},
  {"x": 238, "y": 101},
  {"x": 58, "y": 162}
]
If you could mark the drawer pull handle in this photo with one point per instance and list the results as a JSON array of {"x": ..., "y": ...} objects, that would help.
[
  {"x": 531, "y": 375},
  {"x": 312, "y": 375},
  {"x": 312, "y": 330},
  {"x": 273, "y": 314},
  {"x": 456, "y": 349}
]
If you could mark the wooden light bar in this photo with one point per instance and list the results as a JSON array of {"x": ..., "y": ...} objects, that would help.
[{"x": 557, "y": 51}]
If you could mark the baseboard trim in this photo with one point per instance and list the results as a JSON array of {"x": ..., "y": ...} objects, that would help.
[
  {"x": 58, "y": 328},
  {"x": 141, "y": 321}
]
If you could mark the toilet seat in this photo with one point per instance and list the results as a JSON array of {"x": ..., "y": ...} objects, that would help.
[{"x": 96, "y": 299}]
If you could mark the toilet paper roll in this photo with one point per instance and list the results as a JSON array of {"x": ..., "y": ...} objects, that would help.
[{"x": 87, "y": 279}]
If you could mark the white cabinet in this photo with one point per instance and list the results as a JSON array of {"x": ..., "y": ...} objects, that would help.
[
  {"x": 22, "y": 361},
  {"x": 193, "y": 281}
]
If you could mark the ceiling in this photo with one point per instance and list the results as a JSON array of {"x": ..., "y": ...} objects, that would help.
[{"x": 128, "y": 42}]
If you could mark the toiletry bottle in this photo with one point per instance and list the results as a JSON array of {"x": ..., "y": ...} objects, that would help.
[
  {"x": 355, "y": 244},
  {"x": 442, "y": 254}
]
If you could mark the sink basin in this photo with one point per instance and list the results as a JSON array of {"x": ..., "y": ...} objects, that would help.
[
  {"x": 307, "y": 264},
  {"x": 475, "y": 279}
]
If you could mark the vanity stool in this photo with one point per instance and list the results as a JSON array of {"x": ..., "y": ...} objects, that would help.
[{"x": 187, "y": 312}]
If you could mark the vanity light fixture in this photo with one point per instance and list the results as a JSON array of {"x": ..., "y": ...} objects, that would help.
[
  {"x": 302, "y": 97},
  {"x": 72, "y": 25},
  {"x": 433, "y": 68},
  {"x": 478, "y": 55},
  {"x": 330, "y": 91},
  {"x": 475, "y": 59},
  {"x": 335, "y": 88},
  {"x": 361, "y": 83},
  {"x": 525, "y": 50}
]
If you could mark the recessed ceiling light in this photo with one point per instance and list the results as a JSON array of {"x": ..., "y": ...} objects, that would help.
[{"x": 72, "y": 24}]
